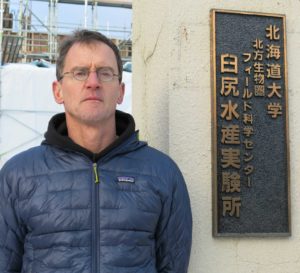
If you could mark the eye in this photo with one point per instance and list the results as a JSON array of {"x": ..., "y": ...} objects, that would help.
[
  {"x": 80, "y": 73},
  {"x": 105, "y": 72}
]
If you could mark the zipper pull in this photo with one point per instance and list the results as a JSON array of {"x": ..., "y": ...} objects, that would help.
[{"x": 96, "y": 173}]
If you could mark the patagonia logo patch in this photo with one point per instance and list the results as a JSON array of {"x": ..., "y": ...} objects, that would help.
[{"x": 126, "y": 179}]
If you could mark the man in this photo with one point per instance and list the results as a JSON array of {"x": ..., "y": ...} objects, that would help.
[{"x": 92, "y": 198}]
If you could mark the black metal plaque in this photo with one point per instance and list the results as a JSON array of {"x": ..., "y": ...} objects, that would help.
[{"x": 250, "y": 124}]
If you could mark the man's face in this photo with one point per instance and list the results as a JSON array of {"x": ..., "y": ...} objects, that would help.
[{"x": 89, "y": 102}]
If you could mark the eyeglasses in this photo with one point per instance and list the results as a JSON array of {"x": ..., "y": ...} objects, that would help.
[{"x": 104, "y": 74}]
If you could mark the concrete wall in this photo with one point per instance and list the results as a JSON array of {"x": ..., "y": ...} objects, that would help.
[{"x": 172, "y": 107}]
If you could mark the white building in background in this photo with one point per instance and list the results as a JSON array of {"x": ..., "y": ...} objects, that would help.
[{"x": 27, "y": 104}]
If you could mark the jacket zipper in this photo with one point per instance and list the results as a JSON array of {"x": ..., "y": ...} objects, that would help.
[
  {"x": 96, "y": 173},
  {"x": 95, "y": 222}
]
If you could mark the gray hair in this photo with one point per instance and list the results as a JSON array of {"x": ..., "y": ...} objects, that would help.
[{"x": 85, "y": 37}]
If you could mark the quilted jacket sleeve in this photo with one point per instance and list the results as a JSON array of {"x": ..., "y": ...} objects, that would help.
[
  {"x": 174, "y": 233},
  {"x": 11, "y": 243}
]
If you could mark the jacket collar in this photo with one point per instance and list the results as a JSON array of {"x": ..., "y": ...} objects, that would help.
[{"x": 57, "y": 135}]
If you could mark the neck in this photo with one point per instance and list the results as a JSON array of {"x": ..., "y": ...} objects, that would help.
[{"x": 91, "y": 137}]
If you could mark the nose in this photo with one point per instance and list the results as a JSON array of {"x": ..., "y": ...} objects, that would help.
[{"x": 92, "y": 80}]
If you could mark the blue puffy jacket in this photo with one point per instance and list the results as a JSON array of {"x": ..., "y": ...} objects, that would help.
[{"x": 126, "y": 212}]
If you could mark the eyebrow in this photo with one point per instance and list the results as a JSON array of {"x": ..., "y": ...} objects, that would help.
[{"x": 97, "y": 68}]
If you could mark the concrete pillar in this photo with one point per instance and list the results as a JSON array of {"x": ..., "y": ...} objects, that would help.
[{"x": 172, "y": 107}]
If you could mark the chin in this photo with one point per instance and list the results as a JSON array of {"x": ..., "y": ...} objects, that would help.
[
  {"x": 92, "y": 116},
  {"x": 95, "y": 119}
]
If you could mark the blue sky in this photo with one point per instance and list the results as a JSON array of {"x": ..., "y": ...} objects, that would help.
[{"x": 72, "y": 16}]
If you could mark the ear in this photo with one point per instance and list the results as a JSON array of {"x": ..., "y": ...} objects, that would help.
[
  {"x": 121, "y": 94},
  {"x": 57, "y": 92}
]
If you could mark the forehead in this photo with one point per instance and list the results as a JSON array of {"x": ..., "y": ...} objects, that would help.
[{"x": 93, "y": 54}]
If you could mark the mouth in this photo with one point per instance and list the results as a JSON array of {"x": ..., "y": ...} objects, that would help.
[{"x": 93, "y": 98}]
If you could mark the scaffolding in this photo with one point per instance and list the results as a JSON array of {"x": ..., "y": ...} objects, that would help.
[{"x": 23, "y": 41}]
